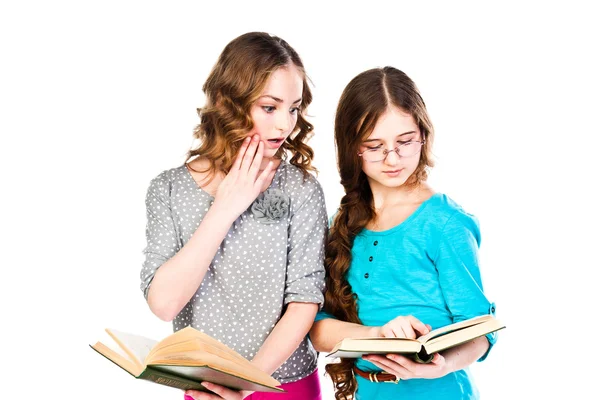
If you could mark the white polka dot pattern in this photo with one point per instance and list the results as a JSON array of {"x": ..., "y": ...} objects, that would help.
[{"x": 258, "y": 269}]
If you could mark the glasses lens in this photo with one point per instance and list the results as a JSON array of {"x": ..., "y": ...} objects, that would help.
[
  {"x": 404, "y": 150},
  {"x": 409, "y": 149},
  {"x": 373, "y": 155}
]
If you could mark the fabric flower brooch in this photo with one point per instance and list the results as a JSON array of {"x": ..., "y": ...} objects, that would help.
[{"x": 271, "y": 206}]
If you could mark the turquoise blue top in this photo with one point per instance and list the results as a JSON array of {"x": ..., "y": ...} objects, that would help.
[{"x": 426, "y": 267}]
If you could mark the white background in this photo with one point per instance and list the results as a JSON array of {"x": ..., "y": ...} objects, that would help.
[{"x": 97, "y": 98}]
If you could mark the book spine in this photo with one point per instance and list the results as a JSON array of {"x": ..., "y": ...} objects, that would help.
[
  {"x": 422, "y": 357},
  {"x": 166, "y": 379}
]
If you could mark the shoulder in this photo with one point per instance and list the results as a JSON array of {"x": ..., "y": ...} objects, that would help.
[
  {"x": 452, "y": 217},
  {"x": 296, "y": 184},
  {"x": 162, "y": 184}
]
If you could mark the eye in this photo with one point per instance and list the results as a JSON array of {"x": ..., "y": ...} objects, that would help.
[
  {"x": 268, "y": 109},
  {"x": 374, "y": 147},
  {"x": 295, "y": 110}
]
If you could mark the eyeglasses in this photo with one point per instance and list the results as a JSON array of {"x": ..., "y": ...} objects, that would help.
[{"x": 405, "y": 149}]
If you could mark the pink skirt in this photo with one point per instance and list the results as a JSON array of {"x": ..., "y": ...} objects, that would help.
[{"x": 307, "y": 388}]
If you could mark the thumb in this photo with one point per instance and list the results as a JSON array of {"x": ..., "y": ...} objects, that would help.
[{"x": 438, "y": 359}]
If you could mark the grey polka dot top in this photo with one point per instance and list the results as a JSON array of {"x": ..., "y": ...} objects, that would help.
[{"x": 272, "y": 255}]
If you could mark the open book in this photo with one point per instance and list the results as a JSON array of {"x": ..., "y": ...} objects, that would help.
[
  {"x": 423, "y": 348},
  {"x": 183, "y": 360}
]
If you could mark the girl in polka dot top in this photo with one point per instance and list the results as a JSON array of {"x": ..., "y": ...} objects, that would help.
[{"x": 235, "y": 236}]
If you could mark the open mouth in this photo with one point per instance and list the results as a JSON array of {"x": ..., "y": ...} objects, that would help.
[{"x": 275, "y": 141}]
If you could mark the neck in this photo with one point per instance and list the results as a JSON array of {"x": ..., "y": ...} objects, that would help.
[{"x": 384, "y": 196}]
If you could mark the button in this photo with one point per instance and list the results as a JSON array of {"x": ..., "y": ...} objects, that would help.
[
  {"x": 367, "y": 275},
  {"x": 375, "y": 243},
  {"x": 371, "y": 258}
]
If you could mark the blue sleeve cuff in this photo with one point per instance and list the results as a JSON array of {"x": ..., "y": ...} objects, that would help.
[
  {"x": 323, "y": 315},
  {"x": 491, "y": 337}
]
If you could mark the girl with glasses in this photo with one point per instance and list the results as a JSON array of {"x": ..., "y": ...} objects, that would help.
[{"x": 401, "y": 258}]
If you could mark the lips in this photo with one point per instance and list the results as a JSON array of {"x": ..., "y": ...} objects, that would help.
[
  {"x": 393, "y": 173},
  {"x": 274, "y": 143}
]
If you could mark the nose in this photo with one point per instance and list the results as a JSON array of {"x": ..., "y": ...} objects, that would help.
[
  {"x": 283, "y": 121},
  {"x": 391, "y": 158}
]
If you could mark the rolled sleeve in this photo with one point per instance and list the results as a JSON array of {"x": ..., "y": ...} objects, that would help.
[
  {"x": 305, "y": 279},
  {"x": 457, "y": 263},
  {"x": 161, "y": 236}
]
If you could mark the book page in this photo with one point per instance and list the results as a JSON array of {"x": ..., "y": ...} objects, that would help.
[
  {"x": 120, "y": 359},
  {"x": 195, "y": 346},
  {"x": 189, "y": 334},
  {"x": 463, "y": 335},
  {"x": 454, "y": 327},
  {"x": 354, "y": 348},
  {"x": 135, "y": 346}
]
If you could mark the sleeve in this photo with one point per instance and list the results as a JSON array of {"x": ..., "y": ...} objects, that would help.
[
  {"x": 305, "y": 279},
  {"x": 323, "y": 315},
  {"x": 161, "y": 236},
  {"x": 457, "y": 263}
]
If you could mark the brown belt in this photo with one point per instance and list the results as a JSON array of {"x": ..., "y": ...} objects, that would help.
[{"x": 377, "y": 376}]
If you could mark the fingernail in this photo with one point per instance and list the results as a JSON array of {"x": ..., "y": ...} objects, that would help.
[
  {"x": 188, "y": 397},
  {"x": 255, "y": 138}
]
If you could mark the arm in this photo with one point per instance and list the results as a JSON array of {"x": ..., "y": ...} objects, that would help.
[
  {"x": 302, "y": 295},
  {"x": 176, "y": 281},
  {"x": 280, "y": 344},
  {"x": 328, "y": 332},
  {"x": 286, "y": 336},
  {"x": 457, "y": 263},
  {"x": 180, "y": 274},
  {"x": 304, "y": 282}
]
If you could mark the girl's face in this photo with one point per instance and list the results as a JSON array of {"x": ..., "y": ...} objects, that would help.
[
  {"x": 394, "y": 128},
  {"x": 276, "y": 111}
]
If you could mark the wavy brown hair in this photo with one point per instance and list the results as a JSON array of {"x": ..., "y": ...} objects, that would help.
[
  {"x": 363, "y": 101},
  {"x": 233, "y": 86}
]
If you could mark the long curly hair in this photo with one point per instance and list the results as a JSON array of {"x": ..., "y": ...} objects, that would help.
[
  {"x": 233, "y": 86},
  {"x": 363, "y": 101}
]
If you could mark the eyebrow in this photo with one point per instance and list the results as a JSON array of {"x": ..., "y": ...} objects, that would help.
[
  {"x": 277, "y": 99},
  {"x": 402, "y": 134}
]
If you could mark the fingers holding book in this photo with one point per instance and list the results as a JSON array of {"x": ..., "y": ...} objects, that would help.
[
  {"x": 404, "y": 327},
  {"x": 405, "y": 368}
]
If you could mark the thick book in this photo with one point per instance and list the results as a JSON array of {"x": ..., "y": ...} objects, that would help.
[
  {"x": 184, "y": 360},
  {"x": 424, "y": 347}
]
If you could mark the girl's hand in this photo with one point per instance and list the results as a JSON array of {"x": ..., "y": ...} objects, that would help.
[
  {"x": 405, "y": 368},
  {"x": 243, "y": 183},
  {"x": 219, "y": 393},
  {"x": 403, "y": 327}
]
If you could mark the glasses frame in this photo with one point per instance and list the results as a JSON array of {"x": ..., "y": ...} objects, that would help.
[{"x": 395, "y": 150}]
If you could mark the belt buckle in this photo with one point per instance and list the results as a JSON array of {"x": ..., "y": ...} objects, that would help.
[{"x": 373, "y": 378}]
